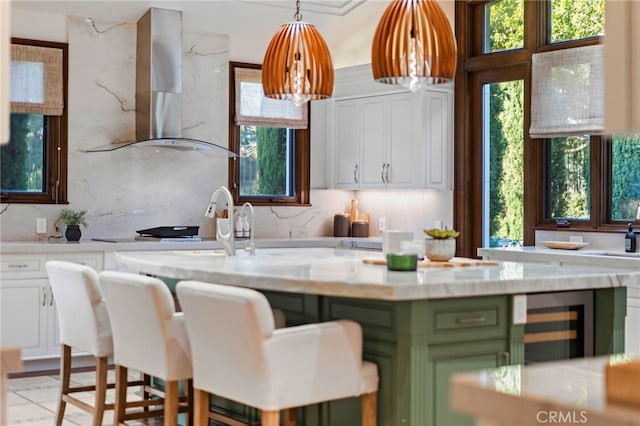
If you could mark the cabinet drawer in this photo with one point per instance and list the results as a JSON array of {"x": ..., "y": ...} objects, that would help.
[
  {"x": 466, "y": 319},
  {"x": 19, "y": 266},
  {"x": 458, "y": 320},
  {"x": 91, "y": 259}
]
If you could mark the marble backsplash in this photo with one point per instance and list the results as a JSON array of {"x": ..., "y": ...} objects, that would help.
[{"x": 136, "y": 188}]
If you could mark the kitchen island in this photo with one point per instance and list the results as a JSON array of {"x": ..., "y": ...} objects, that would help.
[{"x": 419, "y": 327}]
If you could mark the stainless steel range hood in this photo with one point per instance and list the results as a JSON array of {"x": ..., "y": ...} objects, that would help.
[{"x": 159, "y": 86}]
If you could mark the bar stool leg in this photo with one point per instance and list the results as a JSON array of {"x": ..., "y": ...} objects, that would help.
[
  {"x": 200, "y": 407},
  {"x": 171, "y": 396},
  {"x": 290, "y": 417},
  {"x": 121, "y": 395},
  {"x": 270, "y": 418},
  {"x": 65, "y": 379},
  {"x": 369, "y": 409},
  {"x": 101, "y": 390},
  {"x": 190, "y": 407}
]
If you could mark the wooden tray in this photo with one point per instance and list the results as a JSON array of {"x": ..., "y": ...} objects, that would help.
[
  {"x": 454, "y": 262},
  {"x": 564, "y": 245}
]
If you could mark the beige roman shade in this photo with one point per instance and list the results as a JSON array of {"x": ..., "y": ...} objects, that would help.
[
  {"x": 622, "y": 62},
  {"x": 36, "y": 80},
  {"x": 567, "y": 93},
  {"x": 254, "y": 109}
]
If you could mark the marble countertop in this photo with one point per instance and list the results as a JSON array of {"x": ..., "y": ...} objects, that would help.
[
  {"x": 582, "y": 256},
  {"x": 62, "y": 246},
  {"x": 538, "y": 394},
  {"x": 340, "y": 272}
]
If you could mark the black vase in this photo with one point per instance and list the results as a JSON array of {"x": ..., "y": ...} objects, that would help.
[{"x": 73, "y": 233}]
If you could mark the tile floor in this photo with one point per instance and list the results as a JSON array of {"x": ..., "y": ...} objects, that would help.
[{"x": 32, "y": 401}]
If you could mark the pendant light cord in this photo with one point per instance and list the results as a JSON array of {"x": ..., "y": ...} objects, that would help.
[{"x": 298, "y": 15}]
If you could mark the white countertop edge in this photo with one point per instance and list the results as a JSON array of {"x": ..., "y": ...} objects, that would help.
[
  {"x": 35, "y": 247},
  {"x": 398, "y": 287}
]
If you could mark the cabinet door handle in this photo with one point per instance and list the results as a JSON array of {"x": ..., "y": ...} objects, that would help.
[
  {"x": 51, "y": 301},
  {"x": 44, "y": 296},
  {"x": 355, "y": 174},
  {"x": 387, "y": 173},
  {"x": 382, "y": 173},
  {"x": 471, "y": 320},
  {"x": 17, "y": 265},
  {"x": 506, "y": 358}
]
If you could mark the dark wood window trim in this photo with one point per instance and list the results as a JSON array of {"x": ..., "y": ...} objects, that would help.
[
  {"x": 301, "y": 160},
  {"x": 472, "y": 62},
  {"x": 55, "y": 149}
]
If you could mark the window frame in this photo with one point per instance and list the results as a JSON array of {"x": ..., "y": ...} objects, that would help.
[
  {"x": 469, "y": 16},
  {"x": 301, "y": 161},
  {"x": 55, "y": 149}
]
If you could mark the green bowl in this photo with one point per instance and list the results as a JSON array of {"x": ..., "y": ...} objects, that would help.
[{"x": 402, "y": 262}]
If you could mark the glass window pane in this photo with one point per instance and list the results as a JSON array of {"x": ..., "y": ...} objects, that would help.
[
  {"x": 576, "y": 19},
  {"x": 503, "y": 195},
  {"x": 569, "y": 178},
  {"x": 504, "y": 25},
  {"x": 22, "y": 158},
  {"x": 266, "y": 155},
  {"x": 625, "y": 177}
]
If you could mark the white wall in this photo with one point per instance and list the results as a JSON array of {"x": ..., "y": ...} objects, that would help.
[{"x": 132, "y": 189}]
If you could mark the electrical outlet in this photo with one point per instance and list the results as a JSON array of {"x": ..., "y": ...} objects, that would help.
[
  {"x": 382, "y": 224},
  {"x": 41, "y": 225}
]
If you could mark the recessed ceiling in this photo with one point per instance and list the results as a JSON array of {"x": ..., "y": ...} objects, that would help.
[{"x": 336, "y": 7}]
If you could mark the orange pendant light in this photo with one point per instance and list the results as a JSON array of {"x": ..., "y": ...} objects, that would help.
[
  {"x": 297, "y": 64},
  {"x": 414, "y": 45}
]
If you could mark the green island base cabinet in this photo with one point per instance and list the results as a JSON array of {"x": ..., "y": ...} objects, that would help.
[{"x": 418, "y": 345}]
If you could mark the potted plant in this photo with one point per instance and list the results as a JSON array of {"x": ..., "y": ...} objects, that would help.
[
  {"x": 442, "y": 244},
  {"x": 73, "y": 219}
]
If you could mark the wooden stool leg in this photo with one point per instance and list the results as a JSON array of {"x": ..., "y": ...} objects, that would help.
[
  {"x": 370, "y": 409},
  {"x": 290, "y": 417},
  {"x": 200, "y": 407},
  {"x": 101, "y": 390},
  {"x": 171, "y": 395},
  {"x": 65, "y": 380},
  {"x": 121, "y": 394},
  {"x": 270, "y": 418},
  {"x": 146, "y": 395}
]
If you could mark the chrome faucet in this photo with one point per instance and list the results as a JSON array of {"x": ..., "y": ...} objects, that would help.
[
  {"x": 227, "y": 238},
  {"x": 251, "y": 248}
]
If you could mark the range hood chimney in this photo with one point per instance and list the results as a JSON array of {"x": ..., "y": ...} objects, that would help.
[{"x": 159, "y": 86}]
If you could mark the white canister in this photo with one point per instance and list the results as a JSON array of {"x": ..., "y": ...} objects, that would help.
[{"x": 391, "y": 240}]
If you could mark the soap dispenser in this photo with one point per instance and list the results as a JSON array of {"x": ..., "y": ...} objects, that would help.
[{"x": 630, "y": 240}]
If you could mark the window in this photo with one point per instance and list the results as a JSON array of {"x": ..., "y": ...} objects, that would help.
[
  {"x": 508, "y": 184},
  {"x": 33, "y": 165},
  {"x": 272, "y": 140}
]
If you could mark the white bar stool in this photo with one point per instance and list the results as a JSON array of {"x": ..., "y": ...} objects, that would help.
[
  {"x": 148, "y": 336},
  {"x": 237, "y": 354},
  {"x": 84, "y": 324}
]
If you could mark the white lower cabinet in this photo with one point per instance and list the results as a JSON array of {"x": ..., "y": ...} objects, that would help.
[
  {"x": 28, "y": 317},
  {"x": 632, "y": 323}
]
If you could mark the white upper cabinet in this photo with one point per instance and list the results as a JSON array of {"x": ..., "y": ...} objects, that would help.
[
  {"x": 396, "y": 140},
  {"x": 438, "y": 139}
]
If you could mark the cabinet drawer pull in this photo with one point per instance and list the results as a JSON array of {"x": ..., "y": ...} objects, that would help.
[
  {"x": 18, "y": 265},
  {"x": 471, "y": 320}
]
